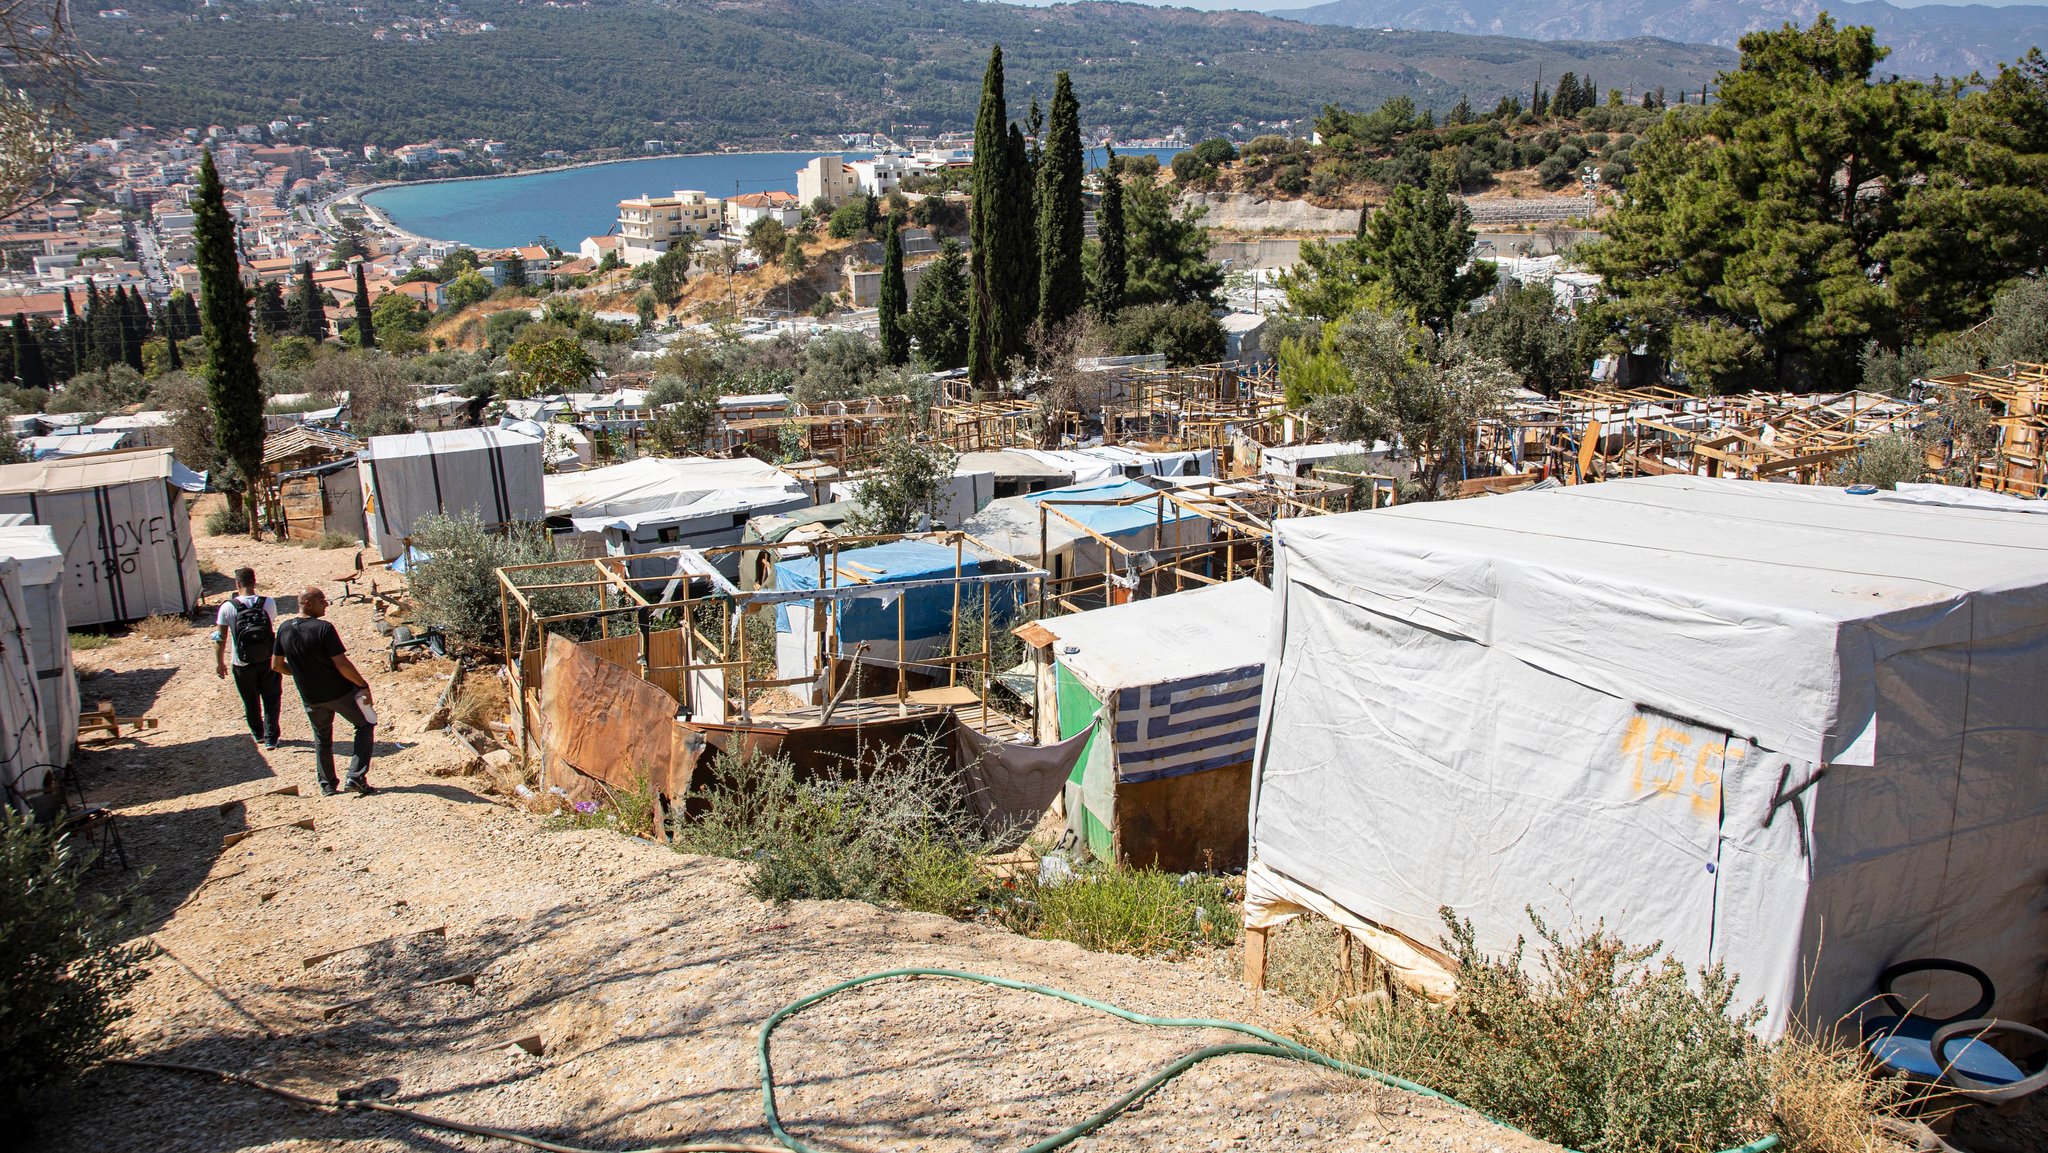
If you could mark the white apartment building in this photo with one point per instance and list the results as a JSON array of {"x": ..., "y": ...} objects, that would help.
[
  {"x": 649, "y": 224},
  {"x": 826, "y": 176}
]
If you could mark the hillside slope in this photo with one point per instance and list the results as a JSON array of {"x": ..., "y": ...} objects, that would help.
[
  {"x": 758, "y": 72},
  {"x": 1935, "y": 39}
]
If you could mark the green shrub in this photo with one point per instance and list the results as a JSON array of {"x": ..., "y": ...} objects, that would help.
[
  {"x": 1886, "y": 461},
  {"x": 1604, "y": 1048},
  {"x": 228, "y": 520},
  {"x": 62, "y": 968},
  {"x": 87, "y": 641},
  {"x": 456, "y": 588},
  {"x": 893, "y": 828},
  {"x": 1143, "y": 912}
]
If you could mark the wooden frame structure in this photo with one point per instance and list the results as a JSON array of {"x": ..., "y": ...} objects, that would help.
[
  {"x": 1239, "y": 515},
  {"x": 686, "y": 659},
  {"x": 2017, "y": 400}
]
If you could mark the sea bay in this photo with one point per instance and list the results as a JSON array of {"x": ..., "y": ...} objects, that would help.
[{"x": 569, "y": 204}]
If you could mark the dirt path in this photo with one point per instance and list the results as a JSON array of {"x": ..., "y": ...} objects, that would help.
[{"x": 645, "y": 973}]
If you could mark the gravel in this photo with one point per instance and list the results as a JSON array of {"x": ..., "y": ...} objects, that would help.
[{"x": 644, "y": 972}]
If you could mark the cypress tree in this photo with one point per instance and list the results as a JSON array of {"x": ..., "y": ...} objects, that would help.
[
  {"x": 890, "y": 306},
  {"x": 174, "y": 360},
  {"x": 366, "y": 329},
  {"x": 234, "y": 389},
  {"x": 74, "y": 338},
  {"x": 1061, "y": 290},
  {"x": 990, "y": 263},
  {"x": 1113, "y": 255},
  {"x": 9, "y": 350},
  {"x": 134, "y": 326},
  {"x": 1023, "y": 241},
  {"x": 29, "y": 367},
  {"x": 188, "y": 314}
]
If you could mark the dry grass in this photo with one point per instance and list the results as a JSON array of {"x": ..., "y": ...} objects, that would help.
[
  {"x": 1827, "y": 1097},
  {"x": 1306, "y": 963},
  {"x": 163, "y": 627},
  {"x": 479, "y": 701}
]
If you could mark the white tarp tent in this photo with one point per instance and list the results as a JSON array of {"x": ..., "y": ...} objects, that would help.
[
  {"x": 33, "y": 548},
  {"x": 24, "y": 746},
  {"x": 1742, "y": 719},
  {"x": 121, "y": 522},
  {"x": 652, "y": 503},
  {"x": 494, "y": 473}
]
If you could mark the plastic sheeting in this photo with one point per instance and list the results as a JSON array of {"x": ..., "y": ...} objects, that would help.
[
  {"x": 24, "y": 746},
  {"x": 123, "y": 529},
  {"x": 34, "y": 550},
  {"x": 1743, "y": 719},
  {"x": 490, "y": 472},
  {"x": 1012, "y": 525}
]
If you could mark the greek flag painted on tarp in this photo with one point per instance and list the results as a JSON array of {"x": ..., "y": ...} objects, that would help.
[{"x": 1187, "y": 726}]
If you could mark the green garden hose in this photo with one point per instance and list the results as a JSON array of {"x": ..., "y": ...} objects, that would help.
[
  {"x": 1273, "y": 1045},
  {"x": 1270, "y": 1045}
]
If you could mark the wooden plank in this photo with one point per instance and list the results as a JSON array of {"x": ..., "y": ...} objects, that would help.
[
  {"x": 308, "y": 962},
  {"x": 287, "y": 791},
  {"x": 233, "y": 839}
]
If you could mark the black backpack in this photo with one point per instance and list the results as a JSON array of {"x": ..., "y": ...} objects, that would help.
[{"x": 254, "y": 639}]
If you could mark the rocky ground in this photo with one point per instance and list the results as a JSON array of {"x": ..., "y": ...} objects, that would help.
[{"x": 644, "y": 974}]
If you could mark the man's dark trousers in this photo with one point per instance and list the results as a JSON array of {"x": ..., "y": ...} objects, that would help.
[
  {"x": 260, "y": 688},
  {"x": 322, "y": 719}
]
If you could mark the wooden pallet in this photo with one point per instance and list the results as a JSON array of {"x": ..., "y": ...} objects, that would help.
[{"x": 102, "y": 721}]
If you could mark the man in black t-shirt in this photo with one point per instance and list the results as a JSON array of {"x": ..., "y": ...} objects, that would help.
[{"x": 310, "y": 651}]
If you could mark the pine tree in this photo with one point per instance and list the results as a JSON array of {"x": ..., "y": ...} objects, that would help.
[
  {"x": 890, "y": 306},
  {"x": 1061, "y": 289},
  {"x": 234, "y": 389},
  {"x": 273, "y": 315},
  {"x": 366, "y": 329},
  {"x": 309, "y": 315},
  {"x": 515, "y": 270},
  {"x": 29, "y": 367},
  {"x": 1566, "y": 100},
  {"x": 1112, "y": 257},
  {"x": 939, "y": 310}
]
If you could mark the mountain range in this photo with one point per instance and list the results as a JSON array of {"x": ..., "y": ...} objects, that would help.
[
  {"x": 1930, "y": 40},
  {"x": 703, "y": 74}
]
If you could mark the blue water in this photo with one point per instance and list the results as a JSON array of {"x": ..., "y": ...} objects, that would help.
[{"x": 567, "y": 206}]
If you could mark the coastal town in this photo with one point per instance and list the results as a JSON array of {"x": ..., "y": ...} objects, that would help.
[{"x": 1501, "y": 616}]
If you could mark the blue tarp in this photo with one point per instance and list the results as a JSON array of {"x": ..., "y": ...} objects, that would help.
[
  {"x": 928, "y": 611},
  {"x": 1116, "y": 520}
]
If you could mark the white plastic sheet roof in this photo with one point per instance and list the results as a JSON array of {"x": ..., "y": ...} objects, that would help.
[
  {"x": 1716, "y": 599},
  {"x": 651, "y": 490},
  {"x": 1174, "y": 637},
  {"x": 1725, "y": 715}
]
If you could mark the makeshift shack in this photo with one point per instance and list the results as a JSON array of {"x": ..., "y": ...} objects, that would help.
[
  {"x": 1789, "y": 729},
  {"x": 904, "y": 614},
  {"x": 121, "y": 522},
  {"x": 40, "y": 565},
  {"x": 487, "y": 471},
  {"x": 1170, "y": 689},
  {"x": 652, "y": 503},
  {"x": 314, "y": 485},
  {"x": 1092, "y": 534}
]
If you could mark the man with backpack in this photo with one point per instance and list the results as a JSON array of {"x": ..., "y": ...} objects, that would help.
[{"x": 246, "y": 630}]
